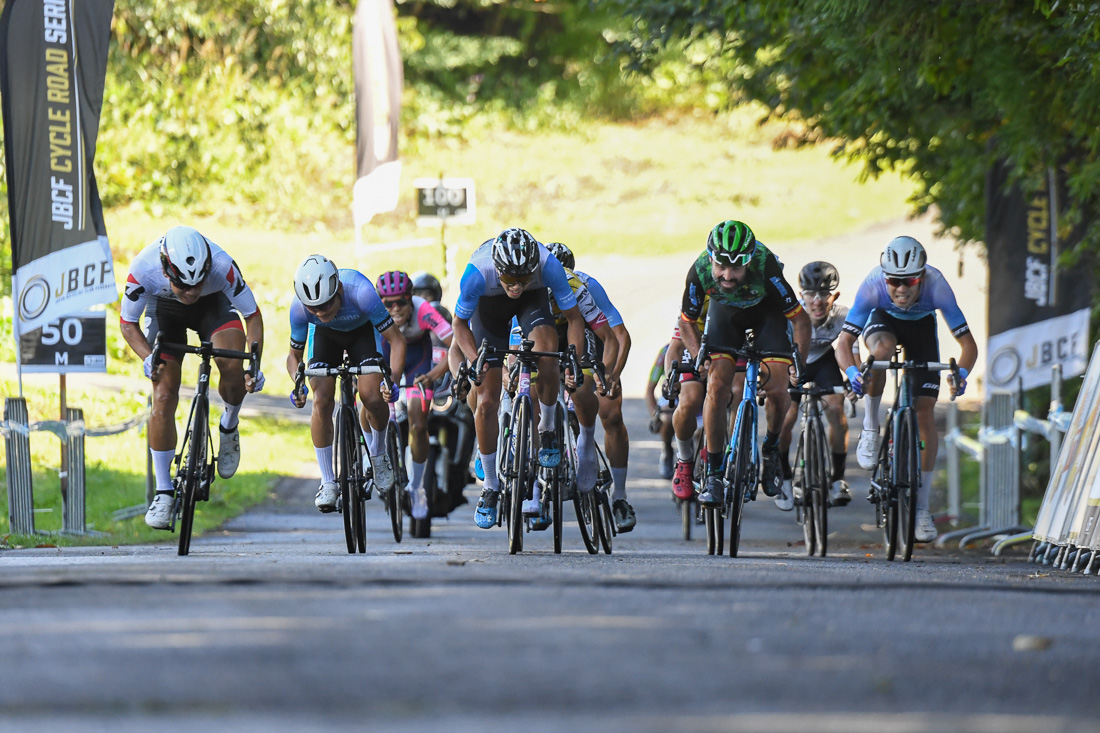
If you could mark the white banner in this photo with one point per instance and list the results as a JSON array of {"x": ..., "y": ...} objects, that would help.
[
  {"x": 63, "y": 282},
  {"x": 1029, "y": 352}
]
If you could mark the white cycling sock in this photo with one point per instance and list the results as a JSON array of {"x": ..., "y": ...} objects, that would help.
[
  {"x": 162, "y": 468},
  {"x": 870, "y": 414},
  {"x": 489, "y": 465},
  {"x": 324, "y": 462},
  {"x": 618, "y": 477},
  {"x": 377, "y": 442},
  {"x": 416, "y": 479},
  {"x": 925, "y": 489},
  {"x": 230, "y": 416},
  {"x": 548, "y": 418},
  {"x": 685, "y": 450}
]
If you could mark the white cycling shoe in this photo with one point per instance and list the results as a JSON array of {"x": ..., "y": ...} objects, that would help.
[
  {"x": 229, "y": 451},
  {"x": 327, "y": 497},
  {"x": 926, "y": 528},
  {"x": 418, "y": 497},
  {"x": 867, "y": 450},
  {"x": 159, "y": 514}
]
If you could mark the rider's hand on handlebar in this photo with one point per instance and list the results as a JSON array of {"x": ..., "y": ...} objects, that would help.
[
  {"x": 254, "y": 385},
  {"x": 855, "y": 378},
  {"x": 655, "y": 422},
  {"x": 957, "y": 390},
  {"x": 390, "y": 391},
  {"x": 298, "y": 397},
  {"x": 152, "y": 371}
]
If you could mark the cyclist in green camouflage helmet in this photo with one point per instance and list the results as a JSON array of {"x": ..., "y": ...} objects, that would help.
[{"x": 744, "y": 282}]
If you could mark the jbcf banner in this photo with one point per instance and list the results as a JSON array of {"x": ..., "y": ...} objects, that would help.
[{"x": 53, "y": 60}]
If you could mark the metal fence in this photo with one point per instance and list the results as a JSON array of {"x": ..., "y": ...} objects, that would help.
[
  {"x": 999, "y": 447},
  {"x": 17, "y": 429}
]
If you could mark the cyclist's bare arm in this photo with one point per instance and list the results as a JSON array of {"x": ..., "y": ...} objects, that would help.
[
  {"x": 135, "y": 339},
  {"x": 397, "y": 352}
]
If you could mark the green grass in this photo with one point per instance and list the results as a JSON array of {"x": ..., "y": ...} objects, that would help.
[{"x": 115, "y": 470}]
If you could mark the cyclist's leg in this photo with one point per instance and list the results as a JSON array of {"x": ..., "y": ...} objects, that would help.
[
  {"x": 491, "y": 321},
  {"x": 218, "y": 323},
  {"x": 715, "y": 419},
  {"x": 880, "y": 337},
  {"x": 538, "y": 323},
  {"x": 167, "y": 317}
]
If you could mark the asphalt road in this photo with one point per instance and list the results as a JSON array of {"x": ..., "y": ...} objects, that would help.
[{"x": 271, "y": 625}]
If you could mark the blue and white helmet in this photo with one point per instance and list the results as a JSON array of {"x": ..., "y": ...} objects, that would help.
[
  {"x": 515, "y": 253},
  {"x": 903, "y": 257}
]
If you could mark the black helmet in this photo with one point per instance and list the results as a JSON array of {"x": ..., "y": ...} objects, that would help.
[
  {"x": 563, "y": 254},
  {"x": 426, "y": 285},
  {"x": 819, "y": 276}
]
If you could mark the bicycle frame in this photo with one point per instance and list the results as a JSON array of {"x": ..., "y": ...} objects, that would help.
[
  {"x": 195, "y": 474},
  {"x": 899, "y": 456}
]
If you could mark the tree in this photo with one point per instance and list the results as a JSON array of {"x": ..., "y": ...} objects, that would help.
[{"x": 937, "y": 89}]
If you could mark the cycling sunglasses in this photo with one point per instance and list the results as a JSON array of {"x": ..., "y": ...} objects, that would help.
[
  {"x": 396, "y": 303},
  {"x": 897, "y": 282},
  {"x": 513, "y": 280}
]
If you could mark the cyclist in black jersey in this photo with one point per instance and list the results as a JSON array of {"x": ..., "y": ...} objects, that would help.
[{"x": 745, "y": 283}]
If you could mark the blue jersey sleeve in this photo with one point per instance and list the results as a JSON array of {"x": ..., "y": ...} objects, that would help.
[
  {"x": 553, "y": 275},
  {"x": 299, "y": 326},
  {"x": 943, "y": 298},
  {"x": 604, "y": 302},
  {"x": 470, "y": 290},
  {"x": 865, "y": 302}
]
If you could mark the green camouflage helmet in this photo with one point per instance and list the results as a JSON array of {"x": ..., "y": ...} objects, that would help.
[{"x": 731, "y": 243}]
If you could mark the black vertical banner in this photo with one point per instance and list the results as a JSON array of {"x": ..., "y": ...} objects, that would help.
[
  {"x": 53, "y": 61},
  {"x": 1038, "y": 312},
  {"x": 379, "y": 80}
]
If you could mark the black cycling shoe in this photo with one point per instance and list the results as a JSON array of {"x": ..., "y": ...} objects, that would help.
[
  {"x": 772, "y": 479},
  {"x": 712, "y": 491}
]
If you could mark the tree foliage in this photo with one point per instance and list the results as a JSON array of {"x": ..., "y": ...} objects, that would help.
[{"x": 939, "y": 89}]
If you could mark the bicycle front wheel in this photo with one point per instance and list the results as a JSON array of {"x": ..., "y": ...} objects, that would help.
[
  {"x": 740, "y": 473},
  {"x": 397, "y": 462},
  {"x": 805, "y": 503},
  {"x": 524, "y": 458},
  {"x": 341, "y": 457},
  {"x": 558, "y": 477},
  {"x": 907, "y": 464},
  {"x": 889, "y": 496},
  {"x": 817, "y": 481},
  {"x": 194, "y": 472}
]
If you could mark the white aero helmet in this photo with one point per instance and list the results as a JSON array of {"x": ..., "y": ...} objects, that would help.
[
  {"x": 316, "y": 281},
  {"x": 903, "y": 257},
  {"x": 185, "y": 256}
]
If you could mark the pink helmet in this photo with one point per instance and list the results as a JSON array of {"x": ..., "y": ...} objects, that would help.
[{"x": 393, "y": 284}]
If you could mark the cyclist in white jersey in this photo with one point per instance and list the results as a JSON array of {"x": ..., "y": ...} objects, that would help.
[
  {"x": 616, "y": 439},
  {"x": 184, "y": 281},
  {"x": 338, "y": 311},
  {"x": 818, "y": 282},
  {"x": 509, "y": 276},
  {"x": 897, "y": 304}
]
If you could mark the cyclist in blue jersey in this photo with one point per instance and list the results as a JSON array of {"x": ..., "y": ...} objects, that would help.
[
  {"x": 508, "y": 277},
  {"x": 897, "y": 304},
  {"x": 745, "y": 283},
  {"x": 616, "y": 440},
  {"x": 338, "y": 311}
]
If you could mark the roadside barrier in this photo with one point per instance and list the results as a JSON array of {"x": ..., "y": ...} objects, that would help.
[
  {"x": 998, "y": 449},
  {"x": 16, "y": 430}
]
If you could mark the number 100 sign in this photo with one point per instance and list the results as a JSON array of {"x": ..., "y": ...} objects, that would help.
[{"x": 440, "y": 200}]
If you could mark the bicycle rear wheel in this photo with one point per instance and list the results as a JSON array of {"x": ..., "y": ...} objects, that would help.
[
  {"x": 522, "y": 457},
  {"x": 194, "y": 471},
  {"x": 908, "y": 482},
  {"x": 606, "y": 522},
  {"x": 356, "y": 488},
  {"x": 393, "y": 498}
]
